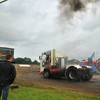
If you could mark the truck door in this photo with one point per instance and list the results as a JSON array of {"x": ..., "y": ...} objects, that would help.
[{"x": 42, "y": 61}]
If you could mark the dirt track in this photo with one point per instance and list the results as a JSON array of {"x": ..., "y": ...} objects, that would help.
[{"x": 91, "y": 87}]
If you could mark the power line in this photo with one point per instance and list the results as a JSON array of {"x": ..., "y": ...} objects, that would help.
[{"x": 3, "y": 1}]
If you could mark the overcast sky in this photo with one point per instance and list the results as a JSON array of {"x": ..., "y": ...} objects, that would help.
[{"x": 34, "y": 26}]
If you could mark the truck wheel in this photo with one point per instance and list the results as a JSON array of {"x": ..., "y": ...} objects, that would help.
[
  {"x": 46, "y": 74},
  {"x": 74, "y": 75},
  {"x": 89, "y": 75}
]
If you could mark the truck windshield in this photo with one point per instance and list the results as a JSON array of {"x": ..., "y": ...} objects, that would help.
[{"x": 43, "y": 56}]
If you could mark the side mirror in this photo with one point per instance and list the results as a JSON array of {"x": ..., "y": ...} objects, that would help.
[{"x": 39, "y": 57}]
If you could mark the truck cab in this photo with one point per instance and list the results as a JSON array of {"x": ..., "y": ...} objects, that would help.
[{"x": 53, "y": 61}]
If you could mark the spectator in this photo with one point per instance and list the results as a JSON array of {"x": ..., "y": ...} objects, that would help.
[{"x": 7, "y": 76}]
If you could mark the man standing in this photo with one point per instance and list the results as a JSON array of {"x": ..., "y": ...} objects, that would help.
[{"x": 7, "y": 76}]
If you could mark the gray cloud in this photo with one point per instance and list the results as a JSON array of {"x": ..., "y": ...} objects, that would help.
[{"x": 31, "y": 28}]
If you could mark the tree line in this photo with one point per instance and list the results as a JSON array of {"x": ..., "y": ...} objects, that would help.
[
  {"x": 35, "y": 62},
  {"x": 25, "y": 61}
]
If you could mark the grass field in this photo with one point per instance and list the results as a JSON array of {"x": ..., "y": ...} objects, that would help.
[{"x": 32, "y": 91}]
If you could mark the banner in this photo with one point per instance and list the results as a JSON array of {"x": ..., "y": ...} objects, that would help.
[{"x": 24, "y": 65}]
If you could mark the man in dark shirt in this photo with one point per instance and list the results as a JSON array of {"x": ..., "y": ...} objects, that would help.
[{"x": 7, "y": 76}]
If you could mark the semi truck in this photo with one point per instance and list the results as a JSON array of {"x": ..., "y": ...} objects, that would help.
[
  {"x": 55, "y": 63},
  {"x": 4, "y": 51}
]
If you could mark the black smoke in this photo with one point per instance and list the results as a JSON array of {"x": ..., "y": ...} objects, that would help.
[{"x": 68, "y": 8}]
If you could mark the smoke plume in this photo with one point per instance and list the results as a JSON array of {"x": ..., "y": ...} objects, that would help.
[{"x": 69, "y": 7}]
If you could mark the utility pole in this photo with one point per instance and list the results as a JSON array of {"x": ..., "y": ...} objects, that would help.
[{"x": 3, "y": 1}]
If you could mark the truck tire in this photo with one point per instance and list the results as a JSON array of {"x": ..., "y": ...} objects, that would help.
[
  {"x": 89, "y": 75},
  {"x": 74, "y": 75},
  {"x": 46, "y": 74}
]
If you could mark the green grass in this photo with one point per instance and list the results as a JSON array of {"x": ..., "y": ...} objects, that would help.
[
  {"x": 32, "y": 91},
  {"x": 98, "y": 72},
  {"x": 25, "y": 93}
]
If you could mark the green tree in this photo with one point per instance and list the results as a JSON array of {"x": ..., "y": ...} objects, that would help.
[
  {"x": 36, "y": 62},
  {"x": 83, "y": 60},
  {"x": 25, "y": 61},
  {"x": 19, "y": 60}
]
